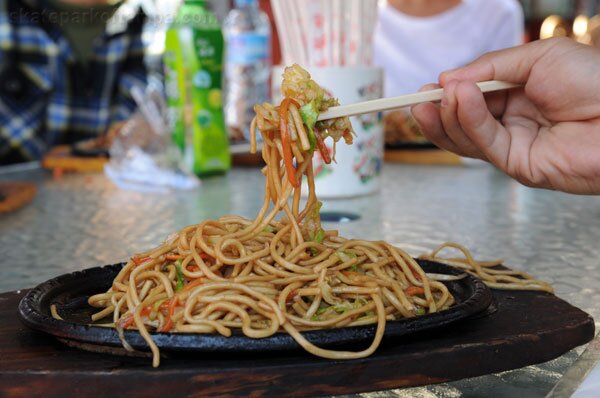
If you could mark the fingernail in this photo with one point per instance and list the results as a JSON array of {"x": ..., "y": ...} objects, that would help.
[
  {"x": 448, "y": 92},
  {"x": 444, "y": 102},
  {"x": 446, "y": 97},
  {"x": 428, "y": 87},
  {"x": 446, "y": 76}
]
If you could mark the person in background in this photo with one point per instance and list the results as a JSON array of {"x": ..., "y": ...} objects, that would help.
[
  {"x": 415, "y": 40},
  {"x": 546, "y": 134},
  {"x": 66, "y": 69}
]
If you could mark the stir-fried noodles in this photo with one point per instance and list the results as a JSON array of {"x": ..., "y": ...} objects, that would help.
[{"x": 269, "y": 275}]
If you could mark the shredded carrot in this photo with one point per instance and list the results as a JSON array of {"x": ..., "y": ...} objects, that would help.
[
  {"x": 415, "y": 273},
  {"x": 169, "y": 321},
  {"x": 322, "y": 148},
  {"x": 169, "y": 305},
  {"x": 140, "y": 260},
  {"x": 286, "y": 142},
  {"x": 414, "y": 290},
  {"x": 291, "y": 297},
  {"x": 173, "y": 257},
  {"x": 128, "y": 320},
  {"x": 191, "y": 284},
  {"x": 206, "y": 256},
  {"x": 348, "y": 137}
]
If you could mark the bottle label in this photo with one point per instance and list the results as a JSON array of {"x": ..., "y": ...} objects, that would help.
[
  {"x": 193, "y": 69},
  {"x": 247, "y": 48}
]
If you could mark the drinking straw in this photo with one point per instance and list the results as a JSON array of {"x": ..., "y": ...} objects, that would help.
[
  {"x": 304, "y": 19},
  {"x": 328, "y": 30},
  {"x": 370, "y": 15},
  {"x": 358, "y": 29},
  {"x": 293, "y": 22},
  {"x": 287, "y": 24},
  {"x": 284, "y": 39},
  {"x": 336, "y": 34},
  {"x": 316, "y": 32}
]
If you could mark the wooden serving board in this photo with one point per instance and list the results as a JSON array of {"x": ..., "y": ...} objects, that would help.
[
  {"x": 422, "y": 156},
  {"x": 526, "y": 328}
]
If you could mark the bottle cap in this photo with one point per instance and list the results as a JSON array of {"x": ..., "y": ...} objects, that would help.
[{"x": 245, "y": 3}]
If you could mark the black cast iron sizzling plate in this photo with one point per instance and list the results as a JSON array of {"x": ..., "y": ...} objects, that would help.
[{"x": 70, "y": 293}]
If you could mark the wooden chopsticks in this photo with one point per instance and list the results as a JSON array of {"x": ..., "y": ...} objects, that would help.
[{"x": 385, "y": 104}]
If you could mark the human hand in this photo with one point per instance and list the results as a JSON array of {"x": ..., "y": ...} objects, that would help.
[{"x": 546, "y": 134}]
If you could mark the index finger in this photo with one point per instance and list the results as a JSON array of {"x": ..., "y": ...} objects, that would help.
[{"x": 511, "y": 64}]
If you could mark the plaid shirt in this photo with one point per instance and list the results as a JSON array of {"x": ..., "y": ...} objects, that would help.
[{"x": 46, "y": 97}]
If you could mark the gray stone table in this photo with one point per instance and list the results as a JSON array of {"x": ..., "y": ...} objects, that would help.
[{"x": 82, "y": 221}]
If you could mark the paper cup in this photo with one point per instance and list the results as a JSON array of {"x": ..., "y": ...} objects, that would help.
[{"x": 358, "y": 168}]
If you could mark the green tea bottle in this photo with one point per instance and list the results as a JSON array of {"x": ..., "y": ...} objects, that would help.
[{"x": 193, "y": 71}]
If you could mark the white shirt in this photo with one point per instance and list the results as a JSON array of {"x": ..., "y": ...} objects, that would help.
[{"x": 414, "y": 50}]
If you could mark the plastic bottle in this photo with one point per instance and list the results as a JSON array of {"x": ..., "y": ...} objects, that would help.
[
  {"x": 247, "y": 34},
  {"x": 193, "y": 73}
]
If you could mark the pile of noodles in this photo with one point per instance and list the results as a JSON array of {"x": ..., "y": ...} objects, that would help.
[{"x": 281, "y": 271}]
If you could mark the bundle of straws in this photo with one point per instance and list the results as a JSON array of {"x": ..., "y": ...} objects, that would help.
[{"x": 325, "y": 32}]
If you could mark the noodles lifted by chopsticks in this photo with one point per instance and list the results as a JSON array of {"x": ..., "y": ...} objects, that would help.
[{"x": 268, "y": 275}]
